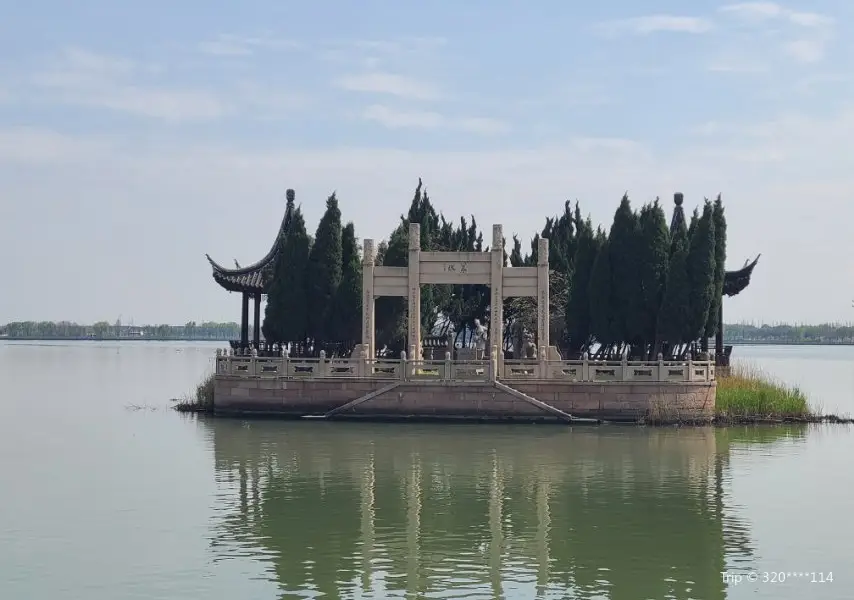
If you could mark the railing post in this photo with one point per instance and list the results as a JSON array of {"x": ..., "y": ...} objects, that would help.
[
  {"x": 285, "y": 362},
  {"x": 690, "y": 369},
  {"x": 543, "y": 363},
  {"x": 708, "y": 370},
  {"x": 624, "y": 365},
  {"x": 493, "y": 364},
  {"x": 585, "y": 366},
  {"x": 661, "y": 372},
  {"x": 253, "y": 372},
  {"x": 403, "y": 374},
  {"x": 448, "y": 366},
  {"x": 321, "y": 364}
]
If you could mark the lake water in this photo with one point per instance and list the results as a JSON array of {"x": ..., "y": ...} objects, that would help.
[{"x": 106, "y": 494}]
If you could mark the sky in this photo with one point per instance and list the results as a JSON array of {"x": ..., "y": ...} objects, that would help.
[{"x": 137, "y": 136}]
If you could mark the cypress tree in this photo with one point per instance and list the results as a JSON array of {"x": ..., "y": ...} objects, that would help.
[
  {"x": 516, "y": 258},
  {"x": 578, "y": 304},
  {"x": 275, "y": 308},
  {"x": 701, "y": 273},
  {"x": 674, "y": 313},
  {"x": 291, "y": 299},
  {"x": 324, "y": 272},
  {"x": 624, "y": 245},
  {"x": 599, "y": 294},
  {"x": 720, "y": 267},
  {"x": 653, "y": 258},
  {"x": 346, "y": 315},
  {"x": 390, "y": 311},
  {"x": 695, "y": 217}
]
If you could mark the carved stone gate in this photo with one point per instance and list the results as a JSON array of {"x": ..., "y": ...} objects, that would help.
[{"x": 454, "y": 268}]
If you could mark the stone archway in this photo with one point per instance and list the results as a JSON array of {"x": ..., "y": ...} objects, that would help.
[{"x": 486, "y": 268}]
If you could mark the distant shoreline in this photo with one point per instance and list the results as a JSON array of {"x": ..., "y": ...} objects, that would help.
[
  {"x": 110, "y": 339},
  {"x": 226, "y": 340}
]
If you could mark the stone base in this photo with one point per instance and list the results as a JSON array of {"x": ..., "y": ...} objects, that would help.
[{"x": 452, "y": 400}]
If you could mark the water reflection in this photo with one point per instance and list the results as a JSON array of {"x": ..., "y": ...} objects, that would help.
[{"x": 378, "y": 511}]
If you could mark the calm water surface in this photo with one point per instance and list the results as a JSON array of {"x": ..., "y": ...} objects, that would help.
[{"x": 106, "y": 494}]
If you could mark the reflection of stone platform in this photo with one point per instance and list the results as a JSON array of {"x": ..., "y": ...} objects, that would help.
[{"x": 526, "y": 400}]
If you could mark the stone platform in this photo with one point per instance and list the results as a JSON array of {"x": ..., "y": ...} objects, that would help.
[{"x": 447, "y": 391}]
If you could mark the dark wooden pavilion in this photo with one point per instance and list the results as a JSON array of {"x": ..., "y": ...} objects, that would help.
[
  {"x": 734, "y": 283},
  {"x": 253, "y": 281}
]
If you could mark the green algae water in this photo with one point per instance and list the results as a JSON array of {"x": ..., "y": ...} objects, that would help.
[{"x": 105, "y": 493}]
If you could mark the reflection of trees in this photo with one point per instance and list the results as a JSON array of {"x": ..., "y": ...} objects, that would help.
[{"x": 628, "y": 513}]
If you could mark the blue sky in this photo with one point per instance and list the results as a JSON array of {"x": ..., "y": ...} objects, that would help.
[{"x": 136, "y": 137}]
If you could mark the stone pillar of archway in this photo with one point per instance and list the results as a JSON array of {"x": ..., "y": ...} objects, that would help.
[
  {"x": 414, "y": 300},
  {"x": 496, "y": 304},
  {"x": 368, "y": 325},
  {"x": 543, "y": 341}
]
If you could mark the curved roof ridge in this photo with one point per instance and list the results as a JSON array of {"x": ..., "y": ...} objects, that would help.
[{"x": 268, "y": 258}]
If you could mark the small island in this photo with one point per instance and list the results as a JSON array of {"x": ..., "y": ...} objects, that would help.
[{"x": 591, "y": 325}]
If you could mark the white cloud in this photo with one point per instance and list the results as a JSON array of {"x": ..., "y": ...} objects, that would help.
[
  {"x": 88, "y": 79},
  {"x": 805, "y": 50},
  {"x": 656, "y": 24},
  {"x": 393, "y": 118},
  {"x": 390, "y": 84},
  {"x": 38, "y": 146},
  {"x": 397, "y": 119},
  {"x": 483, "y": 125},
  {"x": 83, "y": 78},
  {"x": 763, "y": 11},
  {"x": 227, "y": 44},
  {"x": 772, "y": 36}
]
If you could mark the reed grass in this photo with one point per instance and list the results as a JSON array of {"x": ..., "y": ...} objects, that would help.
[
  {"x": 200, "y": 400},
  {"x": 748, "y": 393}
]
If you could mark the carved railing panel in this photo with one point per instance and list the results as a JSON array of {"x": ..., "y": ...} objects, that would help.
[{"x": 465, "y": 370}]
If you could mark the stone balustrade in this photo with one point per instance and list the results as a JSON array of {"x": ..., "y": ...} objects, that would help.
[{"x": 252, "y": 366}]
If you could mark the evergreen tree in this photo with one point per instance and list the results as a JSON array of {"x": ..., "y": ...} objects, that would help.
[
  {"x": 390, "y": 311},
  {"x": 324, "y": 272},
  {"x": 695, "y": 217},
  {"x": 720, "y": 267},
  {"x": 292, "y": 306},
  {"x": 421, "y": 211},
  {"x": 346, "y": 315},
  {"x": 653, "y": 261},
  {"x": 674, "y": 314},
  {"x": 578, "y": 305},
  {"x": 274, "y": 309},
  {"x": 701, "y": 273},
  {"x": 624, "y": 246},
  {"x": 599, "y": 294},
  {"x": 516, "y": 258}
]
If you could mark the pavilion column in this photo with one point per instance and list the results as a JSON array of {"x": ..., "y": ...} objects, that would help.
[
  {"x": 368, "y": 327},
  {"x": 244, "y": 321},
  {"x": 414, "y": 306},
  {"x": 256, "y": 333},
  {"x": 496, "y": 304},
  {"x": 543, "y": 294},
  {"x": 719, "y": 334}
]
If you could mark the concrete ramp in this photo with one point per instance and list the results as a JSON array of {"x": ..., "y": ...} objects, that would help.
[
  {"x": 542, "y": 405},
  {"x": 358, "y": 401}
]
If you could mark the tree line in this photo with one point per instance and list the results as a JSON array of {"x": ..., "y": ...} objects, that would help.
[
  {"x": 634, "y": 288},
  {"x": 191, "y": 330},
  {"x": 833, "y": 333}
]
